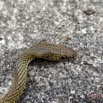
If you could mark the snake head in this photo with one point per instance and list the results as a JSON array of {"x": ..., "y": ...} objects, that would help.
[{"x": 68, "y": 52}]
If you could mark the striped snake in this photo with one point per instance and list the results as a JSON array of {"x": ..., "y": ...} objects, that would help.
[{"x": 47, "y": 51}]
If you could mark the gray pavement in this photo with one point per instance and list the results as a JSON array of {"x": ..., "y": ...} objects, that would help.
[{"x": 73, "y": 23}]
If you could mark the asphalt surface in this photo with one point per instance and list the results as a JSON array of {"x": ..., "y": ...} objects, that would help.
[{"x": 73, "y": 23}]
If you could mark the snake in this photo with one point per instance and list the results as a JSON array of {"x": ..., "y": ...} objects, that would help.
[{"x": 52, "y": 52}]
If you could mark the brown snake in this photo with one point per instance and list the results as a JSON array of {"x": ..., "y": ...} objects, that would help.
[{"x": 47, "y": 51}]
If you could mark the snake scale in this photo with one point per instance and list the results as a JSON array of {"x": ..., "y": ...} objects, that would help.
[{"x": 47, "y": 51}]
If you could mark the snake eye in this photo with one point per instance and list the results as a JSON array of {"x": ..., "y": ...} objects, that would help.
[{"x": 64, "y": 57}]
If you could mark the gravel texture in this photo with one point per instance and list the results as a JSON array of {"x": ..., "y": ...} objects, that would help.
[{"x": 73, "y": 23}]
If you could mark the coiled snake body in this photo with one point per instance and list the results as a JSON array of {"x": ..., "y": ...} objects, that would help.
[{"x": 42, "y": 50}]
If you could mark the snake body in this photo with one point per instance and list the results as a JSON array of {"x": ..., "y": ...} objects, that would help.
[{"x": 41, "y": 50}]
